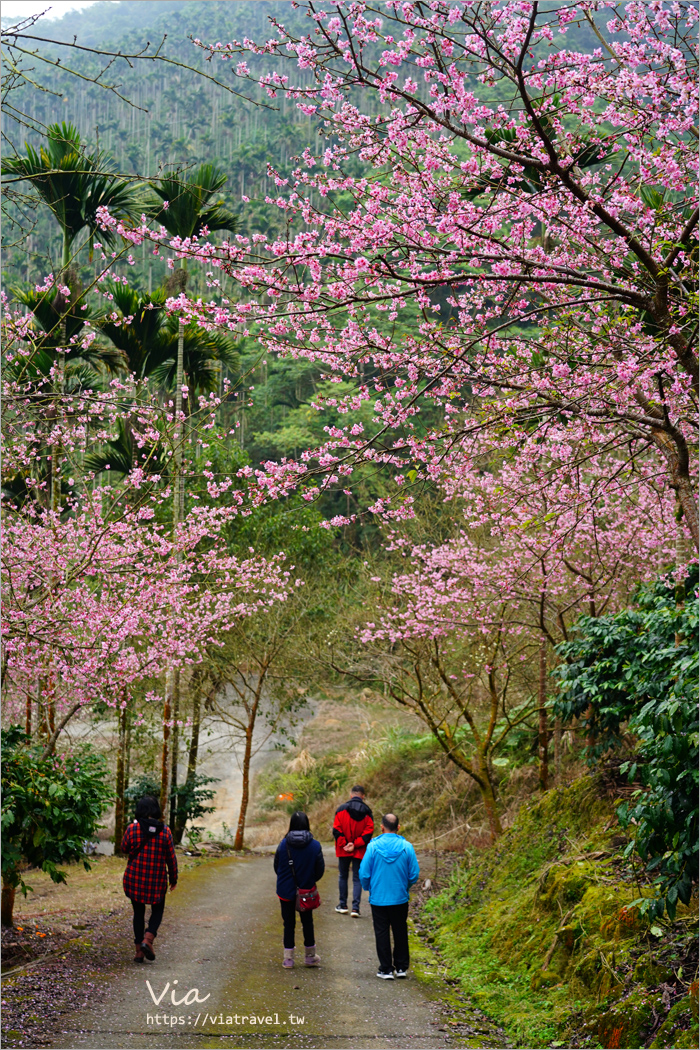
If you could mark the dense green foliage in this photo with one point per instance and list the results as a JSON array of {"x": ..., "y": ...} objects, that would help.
[
  {"x": 637, "y": 671},
  {"x": 51, "y": 805}
]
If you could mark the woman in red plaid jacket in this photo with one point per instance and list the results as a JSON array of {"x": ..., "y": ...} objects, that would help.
[{"x": 152, "y": 864}]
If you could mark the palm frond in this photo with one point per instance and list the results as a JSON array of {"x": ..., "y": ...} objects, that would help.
[{"x": 184, "y": 206}]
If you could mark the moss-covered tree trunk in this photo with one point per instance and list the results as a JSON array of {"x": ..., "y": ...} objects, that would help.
[
  {"x": 7, "y": 903},
  {"x": 543, "y": 730},
  {"x": 488, "y": 796}
]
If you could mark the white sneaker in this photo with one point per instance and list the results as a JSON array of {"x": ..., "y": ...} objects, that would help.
[
  {"x": 341, "y": 910},
  {"x": 402, "y": 973},
  {"x": 385, "y": 976}
]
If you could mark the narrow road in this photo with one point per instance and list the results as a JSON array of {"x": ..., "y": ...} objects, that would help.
[{"x": 222, "y": 935}]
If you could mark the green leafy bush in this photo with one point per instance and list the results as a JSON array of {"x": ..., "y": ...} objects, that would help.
[
  {"x": 50, "y": 805},
  {"x": 638, "y": 669},
  {"x": 190, "y": 803}
]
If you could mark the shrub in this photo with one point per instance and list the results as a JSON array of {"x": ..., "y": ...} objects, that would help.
[
  {"x": 639, "y": 669},
  {"x": 50, "y": 806}
]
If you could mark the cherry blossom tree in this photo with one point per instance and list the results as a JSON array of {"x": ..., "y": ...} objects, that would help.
[
  {"x": 518, "y": 249},
  {"x": 95, "y": 605},
  {"x": 463, "y": 633}
]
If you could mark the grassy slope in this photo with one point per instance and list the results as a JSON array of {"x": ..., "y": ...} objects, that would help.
[{"x": 609, "y": 981}]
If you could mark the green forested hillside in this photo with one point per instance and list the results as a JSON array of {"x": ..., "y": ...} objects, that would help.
[{"x": 166, "y": 118}]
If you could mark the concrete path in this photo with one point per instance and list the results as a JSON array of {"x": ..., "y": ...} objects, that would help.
[{"x": 222, "y": 935}]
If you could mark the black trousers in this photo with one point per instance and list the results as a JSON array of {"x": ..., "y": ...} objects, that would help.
[
  {"x": 343, "y": 872},
  {"x": 140, "y": 918},
  {"x": 392, "y": 917},
  {"x": 289, "y": 916}
]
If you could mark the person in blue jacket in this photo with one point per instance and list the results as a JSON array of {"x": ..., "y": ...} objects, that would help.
[
  {"x": 389, "y": 868},
  {"x": 300, "y": 849}
]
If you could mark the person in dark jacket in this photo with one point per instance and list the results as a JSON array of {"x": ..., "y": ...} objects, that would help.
[
  {"x": 352, "y": 830},
  {"x": 299, "y": 863},
  {"x": 151, "y": 866}
]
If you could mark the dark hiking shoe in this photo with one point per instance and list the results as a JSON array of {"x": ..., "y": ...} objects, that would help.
[
  {"x": 341, "y": 909},
  {"x": 355, "y": 913}
]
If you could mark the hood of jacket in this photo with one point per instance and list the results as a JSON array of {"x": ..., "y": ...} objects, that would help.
[
  {"x": 389, "y": 846},
  {"x": 357, "y": 808},
  {"x": 151, "y": 827},
  {"x": 299, "y": 839}
]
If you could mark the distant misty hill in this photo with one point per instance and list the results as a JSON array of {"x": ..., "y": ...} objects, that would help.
[{"x": 176, "y": 119}]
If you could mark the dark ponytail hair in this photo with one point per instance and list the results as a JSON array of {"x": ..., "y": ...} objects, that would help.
[{"x": 299, "y": 822}]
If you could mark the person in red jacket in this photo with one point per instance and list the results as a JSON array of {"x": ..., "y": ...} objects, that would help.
[
  {"x": 352, "y": 830},
  {"x": 152, "y": 864}
]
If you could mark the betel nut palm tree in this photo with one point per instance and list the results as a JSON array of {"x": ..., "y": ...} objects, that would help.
[
  {"x": 74, "y": 185},
  {"x": 186, "y": 205}
]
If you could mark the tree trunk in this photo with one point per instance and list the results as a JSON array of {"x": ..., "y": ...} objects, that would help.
[
  {"x": 557, "y": 749},
  {"x": 194, "y": 742},
  {"x": 164, "y": 779},
  {"x": 7, "y": 904},
  {"x": 175, "y": 747},
  {"x": 488, "y": 796},
  {"x": 171, "y": 684},
  {"x": 28, "y": 714},
  {"x": 127, "y": 759},
  {"x": 240, "y": 830},
  {"x": 675, "y": 451},
  {"x": 51, "y": 709},
  {"x": 543, "y": 737},
  {"x": 120, "y": 784},
  {"x": 43, "y": 725}
]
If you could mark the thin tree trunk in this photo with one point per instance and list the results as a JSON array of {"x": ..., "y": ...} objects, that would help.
[
  {"x": 171, "y": 686},
  {"x": 7, "y": 904},
  {"x": 53, "y": 737},
  {"x": 557, "y": 749},
  {"x": 681, "y": 560},
  {"x": 175, "y": 748},
  {"x": 51, "y": 709},
  {"x": 240, "y": 830},
  {"x": 127, "y": 759},
  {"x": 543, "y": 737},
  {"x": 194, "y": 742},
  {"x": 120, "y": 784},
  {"x": 28, "y": 713},
  {"x": 167, "y": 708}
]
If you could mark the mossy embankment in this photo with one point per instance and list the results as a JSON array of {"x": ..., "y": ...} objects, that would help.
[{"x": 539, "y": 931}]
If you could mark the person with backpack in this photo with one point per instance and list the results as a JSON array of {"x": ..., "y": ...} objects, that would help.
[
  {"x": 152, "y": 864},
  {"x": 299, "y": 864},
  {"x": 388, "y": 871},
  {"x": 353, "y": 828}
]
